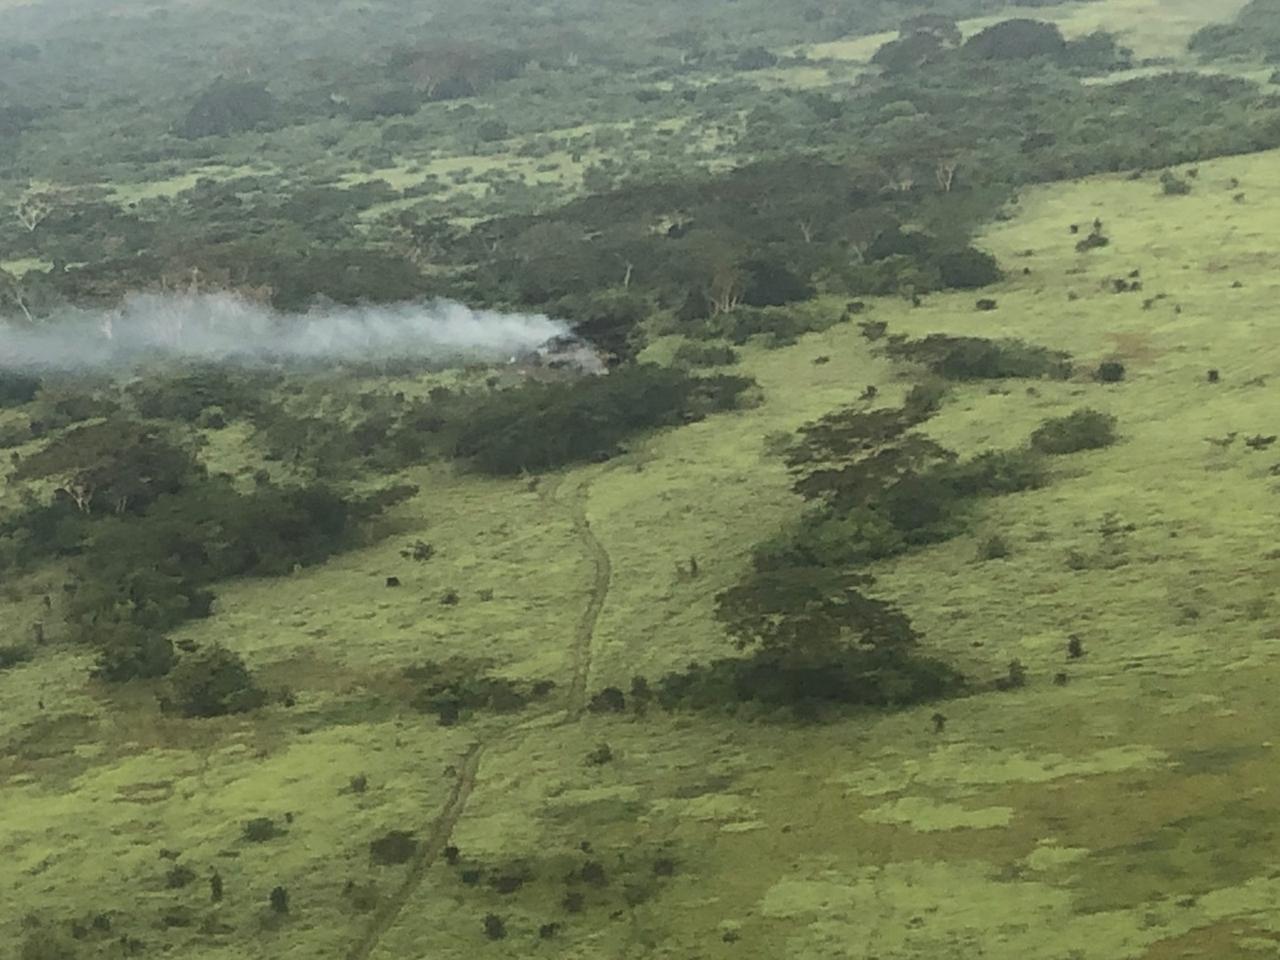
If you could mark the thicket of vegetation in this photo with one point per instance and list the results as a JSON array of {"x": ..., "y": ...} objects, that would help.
[
  {"x": 1254, "y": 33},
  {"x": 870, "y": 191},
  {"x": 543, "y": 426}
]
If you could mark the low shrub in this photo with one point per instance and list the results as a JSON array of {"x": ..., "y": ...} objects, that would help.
[
  {"x": 214, "y": 682},
  {"x": 11, "y": 656},
  {"x": 1109, "y": 371},
  {"x": 1081, "y": 430}
]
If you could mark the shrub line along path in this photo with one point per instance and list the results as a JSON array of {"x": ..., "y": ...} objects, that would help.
[{"x": 575, "y": 704}]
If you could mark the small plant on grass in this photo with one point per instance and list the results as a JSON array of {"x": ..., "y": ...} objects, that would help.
[
  {"x": 260, "y": 830},
  {"x": 994, "y": 547}
]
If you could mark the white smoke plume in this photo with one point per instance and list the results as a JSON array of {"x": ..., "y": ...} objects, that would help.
[{"x": 223, "y": 328}]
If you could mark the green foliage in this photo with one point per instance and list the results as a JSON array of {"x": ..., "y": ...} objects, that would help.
[
  {"x": 1017, "y": 39},
  {"x": 185, "y": 396},
  {"x": 17, "y": 388},
  {"x": 968, "y": 269},
  {"x": 1081, "y": 430},
  {"x": 799, "y": 615},
  {"x": 976, "y": 358},
  {"x": 996, "y": 473},
  {"x": 852, "y": 677},
  {"x": 1254, "y": 33},
  {"x": 1109, "y": 371},
  {"x": 458, "y": 685},
  {"x": 829, "y": 539},
  {"x": 260, "y": 830},
  {"x": 492, "y": 130},
  {"x": 129, "y": 652},
  {"x": 775, "y": 326},
  {"x": 754, "y": 58},
  {"x": 1172, "y": 185},
  {"x": 229, "y": 106},
  {"x": 113, "y": 467},
  {"x": 213, "y": 682},
  {"x": 540, "y": 426},
  {"x": 994, "y": 547},
  {"x": 12, "y": 655}
]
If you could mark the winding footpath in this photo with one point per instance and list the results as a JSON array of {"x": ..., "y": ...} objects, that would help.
[
  {"x": 389, "y": 912},
  {"x": 574, "y": 705},
  {"x": 584, "y": 636}
]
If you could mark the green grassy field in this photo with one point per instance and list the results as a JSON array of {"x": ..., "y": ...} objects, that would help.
[{"x": 1129, "y": 813}]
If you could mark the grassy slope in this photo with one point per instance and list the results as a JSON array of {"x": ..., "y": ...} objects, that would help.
[{"x": 1125, "y": 814}]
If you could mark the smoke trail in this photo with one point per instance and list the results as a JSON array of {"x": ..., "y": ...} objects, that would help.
[{"x": 222, "y": 328}]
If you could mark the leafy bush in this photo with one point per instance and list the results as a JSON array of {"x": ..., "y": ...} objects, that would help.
[
  {"x": 994, "y": 547},
  {"x": 212, "y": 683},
  {"x": 1081, "y": 430},
  {"x": 851, "y": 679},
  {"x": 1172, "y": 185},
  {"x": 114, "y": 467},
  {"x": 976, "y": 358},
  {"x": 542, "y": 426},
  {"x": 17, "y": 388},
  {"x": 968, "y": 269},
  {"x": 1017, "y": 39},
  {"x": 1109, "y": 371},
  {"x": 447, "y": 688},
  {"x": 833, "y": 540},
  {"x": 996, "y": 472},
  {"x": 226, "y": 107},
  {"x": 129, "y": 652},
  {"x": 11, "y": 656},
  {"x": 754, "y": 58},
  {"x": 492, "y": 130}
]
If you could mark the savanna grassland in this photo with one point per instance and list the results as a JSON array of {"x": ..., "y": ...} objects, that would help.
[{"x": 473, "y": 634}]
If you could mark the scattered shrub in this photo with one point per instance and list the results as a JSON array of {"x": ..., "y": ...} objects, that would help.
[
  {"x": 448, "y": 687},
  {"x": 214, "y": 682},
  {"x": 1172, "y": 185},
  {"x": 261, "y": 829},
  {"x": 1081, "y": 430},
  {"x": 1109, "y": 371},
  {"x": 994, "y": 547},
  {"x": 127, "y": 652},
  {"x": 393, "y": 848},
  {"x": 495, "y": 928},
  {"x": 279, "y": 900},
  {"x": 608, "y": 700},
  {"x": 11, "y": 656}
]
